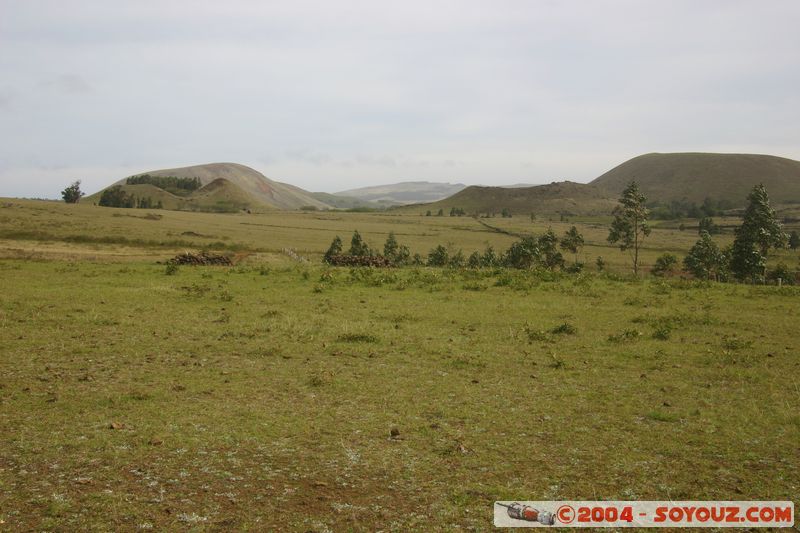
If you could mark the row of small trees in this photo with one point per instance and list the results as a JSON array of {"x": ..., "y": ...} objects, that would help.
[
  {"x": 745, "y": 260},
  {"x": 528, "y": 252}
]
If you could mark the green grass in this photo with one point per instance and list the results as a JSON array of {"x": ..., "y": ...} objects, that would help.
[
  {"x": 244, "y": 398},
  {"x": 264, "y": 396}
]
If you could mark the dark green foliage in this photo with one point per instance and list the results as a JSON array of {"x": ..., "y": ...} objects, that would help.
[
  {"x": 440, "y": 213},
  {"x": 522, "y": 254},
  {"x": 707, "y": 224},
  {"x": 457, "y": 260},
  {"x": 564, "y": 329},
  {"x": 705, "y": 260},
  {"x": 391, "y": 246},
  {"x": 438, "y": 256},
  {"x": 490, "y": 258},
  {"x": 574, "y": 268},
  {"x": 171, "y": 269},
  {"x": 760, "y": 231},
  {"x": 396, "y": 254},
  {"x": 630, "y": 227},
  {"x": 474, "y": 260},
  {"x": 428, "y": 213},
  {"x": 551, "y": 258},
  {"x": 116, "y": 197},
  {"x": 794, "y": 240},
  {"x": 358, "y": 247},
  {"x": 572, "y": 241},
  {"x": 665, "y": 265},
  {"x": 334, "y": 249},
  {"x": 456, "y": 212},
  {"x": 506, "y": 213},
  {"x": 173, "y": 184},
  {"x": 600, "y": 263},
  {"x": 782, "y": 272},
  {"x": 72, "y": 194}
]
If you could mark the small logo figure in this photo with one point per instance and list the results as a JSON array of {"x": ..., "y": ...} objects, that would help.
[{"x": 529, "y": 514}]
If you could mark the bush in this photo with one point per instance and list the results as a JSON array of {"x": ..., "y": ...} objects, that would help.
[
  {"x": 171, "y": 269},
  {"x": 564, "y": 329},
  {"x": 438, "y": 257},
  {"x": 783, "y": 273},
  {"x": 666, "y": 265}
]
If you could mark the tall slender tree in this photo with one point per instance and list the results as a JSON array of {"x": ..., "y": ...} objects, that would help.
[
  {"x": 760, "y": 231},
  {"x": 630, "y": 227}
]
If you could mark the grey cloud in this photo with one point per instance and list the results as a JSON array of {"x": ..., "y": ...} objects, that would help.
[{"x": 68, "y": 84}]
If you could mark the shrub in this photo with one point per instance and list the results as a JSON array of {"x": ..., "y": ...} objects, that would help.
[
  {"x": 665, "y": 265},
  {"x": 625, "y": 336},
  {"x": 171, "y": 269},
  {"x": 438, "y": 256},
  {"x": 564, "y": 329},
  {"x": 783, "y": 273}
]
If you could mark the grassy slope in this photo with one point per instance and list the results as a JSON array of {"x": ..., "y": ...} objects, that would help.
[
  {"x": 560, "y": 197},
  {"x": 219, "y": 195},
  {"x": 264, "y": 190},
  {"x": 695, "y": 176},
  {"x": 51, "y": 229},
  {"x": 265, "y": 402},
  {"x": 343, "y": 202}
]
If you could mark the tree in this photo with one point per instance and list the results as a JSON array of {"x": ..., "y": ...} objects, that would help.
[
  {"x": 394, "y": 252},
  {"x": 334, "y": 249},
  {"x": 428, "y": 213},
  {"x": 522, "y": 254},
  {"x": 474, "y": 260},
  {"x": 794, "y": 240},
  {"x": 630, "y": 227},
  {"x": 440, "y": 213},
  {"x": 390, "y": 247},
  {"x": 705, "y": 260},
  {"x": 116, "y": 197},
  {"x": 457, "y": 260},
  {"x": 490, "y": 258},
  {"x": 72, "y": 194},
  {"x": 665, "y": 265},
  {"x": 548, "y": 250},
  {"x": 572, "y": 241},
  {"x": 760, "y": 231},
  {"x": 438, "y": 256},
  {"x": 506, "y": 213},
  {"x": 707, "y": 224},
  {"x": 358, "y": 247}
]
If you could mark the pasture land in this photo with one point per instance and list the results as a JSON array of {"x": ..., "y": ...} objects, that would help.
[{"x": 264, "y": 396}]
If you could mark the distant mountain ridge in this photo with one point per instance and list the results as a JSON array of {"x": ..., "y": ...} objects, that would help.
[{"x": 407, "y": 192}]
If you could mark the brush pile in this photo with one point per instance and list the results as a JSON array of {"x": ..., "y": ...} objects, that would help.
[{"x": 201, "y": 259}]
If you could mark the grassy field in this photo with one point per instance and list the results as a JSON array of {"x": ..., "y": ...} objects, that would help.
[{"x": 264, "y": 396}]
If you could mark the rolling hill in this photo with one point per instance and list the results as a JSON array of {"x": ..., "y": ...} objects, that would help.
[
  {"x": 693, "y": 177},
  {"x": 407, "y": 192},
  {"x": 223, "y": 187},
  {"x": 562, "y": 197}
]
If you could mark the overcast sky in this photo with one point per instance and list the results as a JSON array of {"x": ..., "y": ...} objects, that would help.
[{"x": 330, "y": 95}]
